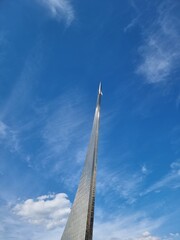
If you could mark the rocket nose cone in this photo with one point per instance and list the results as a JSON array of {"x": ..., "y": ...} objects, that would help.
[{"x": 100, "y": 88}]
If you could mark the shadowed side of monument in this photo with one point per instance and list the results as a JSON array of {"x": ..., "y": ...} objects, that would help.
[{"x": 79, "y": 225}]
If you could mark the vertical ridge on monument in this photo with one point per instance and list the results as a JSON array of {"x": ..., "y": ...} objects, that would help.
[{"x": 79, "y": 225}]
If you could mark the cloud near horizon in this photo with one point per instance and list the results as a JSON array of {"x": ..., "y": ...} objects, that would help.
[
  {"x": 136, "y": 226},
  {"x": 50, "y": 211},
  {"x": 147, "y": 236}
]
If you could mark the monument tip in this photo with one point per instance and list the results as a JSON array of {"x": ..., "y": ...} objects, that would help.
[{"x": 100, "y": 89}]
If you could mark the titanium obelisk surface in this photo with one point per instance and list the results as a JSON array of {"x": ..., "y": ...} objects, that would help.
[{"x": 79, "y": 225}]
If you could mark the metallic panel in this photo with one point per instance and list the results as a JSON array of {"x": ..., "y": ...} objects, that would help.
[{"x": 80, "y": 222}]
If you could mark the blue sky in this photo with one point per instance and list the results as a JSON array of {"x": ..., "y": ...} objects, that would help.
[{"x": 53, "y": 54}]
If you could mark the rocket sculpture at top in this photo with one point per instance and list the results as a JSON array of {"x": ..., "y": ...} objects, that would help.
[{"x": 79, "y": 225}]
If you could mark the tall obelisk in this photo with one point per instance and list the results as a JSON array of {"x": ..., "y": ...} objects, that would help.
[{"x": 79, "y": 225}]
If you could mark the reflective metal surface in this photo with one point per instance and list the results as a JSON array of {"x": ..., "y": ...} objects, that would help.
[{"x": 80, "y": 222}]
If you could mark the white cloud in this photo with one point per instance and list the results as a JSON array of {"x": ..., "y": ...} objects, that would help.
[
  {"x": 147, "y": 236},
  {"x": 128, "y": 227},
  {"x": 124, "y": 226},
  {"x": 50, "y": 211},
  {"x": 171, "y": 180},
  {"x": 144, "y": 169},
  {"x": 172, "y": 236},
  {"x": 14, "y": 227},
  {"x": 60, "y": 9},
  {"x": 160, "y": 52}
]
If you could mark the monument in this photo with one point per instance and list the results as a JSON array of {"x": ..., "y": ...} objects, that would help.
[{"x": 79, "y": 225}]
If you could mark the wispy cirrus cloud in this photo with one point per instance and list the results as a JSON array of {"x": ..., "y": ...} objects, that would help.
[
  {"x": 3, "y": 129},
  {"x": 23, "y": 84},
  {"x": 59, "y": 9},
  {"x": 123, "y": 183},
  {"x": 62, "y": 126},
  {"x": 133, "y": 22},
  {"x": 160, "y": 52},
  {"x": 171, "y": 180},
  {"x": 9, "y": 137},
  {"x": 172, "y": 236},
  {"x": 64, "y": 131}
]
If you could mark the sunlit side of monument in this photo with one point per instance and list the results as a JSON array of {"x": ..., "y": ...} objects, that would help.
[{"x": 79, "y": 225}]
